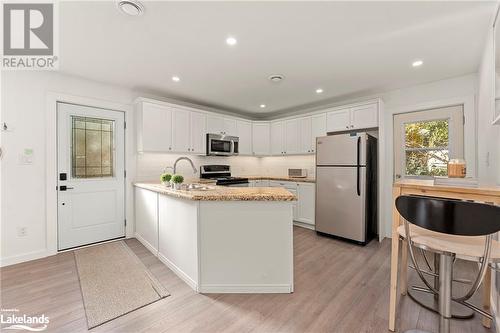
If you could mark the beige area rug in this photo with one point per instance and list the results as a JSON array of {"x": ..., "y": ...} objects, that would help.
[{"x": 114, "y": 282}]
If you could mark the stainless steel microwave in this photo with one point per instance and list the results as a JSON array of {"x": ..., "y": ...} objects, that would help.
[{"x": 222, "y": 145}]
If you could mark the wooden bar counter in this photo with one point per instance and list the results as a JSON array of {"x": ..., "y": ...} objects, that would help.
[{"x": 488, "y": 194}]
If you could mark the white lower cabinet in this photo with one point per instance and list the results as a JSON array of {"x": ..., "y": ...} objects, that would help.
[
  {"x": 146, "y": 218},
  {"x": 303, "y": 211},
  {"x": 306, "y": 202}
]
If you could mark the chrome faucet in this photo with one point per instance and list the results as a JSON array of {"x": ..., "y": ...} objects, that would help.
[{"x": 184, "y": 158}]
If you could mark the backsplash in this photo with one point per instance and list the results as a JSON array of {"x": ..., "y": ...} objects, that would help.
[{"x": 150, "y": 166}]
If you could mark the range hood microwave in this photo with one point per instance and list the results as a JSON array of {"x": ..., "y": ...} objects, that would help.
[{"x": 222, "y": 145}]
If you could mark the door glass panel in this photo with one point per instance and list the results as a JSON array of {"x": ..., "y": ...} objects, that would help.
[
  {"x": 92, "y": 147},
  {"x": 426, "y": 148}
]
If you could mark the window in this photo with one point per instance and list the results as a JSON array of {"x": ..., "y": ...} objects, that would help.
[
  {"x": 92, "y": 147},
  {"x": 426, "y": 148},
  {"x": 424, "y": 141}
]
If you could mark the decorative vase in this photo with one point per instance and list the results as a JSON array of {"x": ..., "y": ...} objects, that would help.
[{"x": 177, "y": 186}]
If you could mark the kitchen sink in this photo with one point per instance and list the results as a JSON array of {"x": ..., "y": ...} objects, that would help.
[{"x": 196, "y": 187}]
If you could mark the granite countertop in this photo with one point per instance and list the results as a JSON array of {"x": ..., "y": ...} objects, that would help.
[
  {"x": 283, "y": 178},
  {"x": 223, "y": 193}
]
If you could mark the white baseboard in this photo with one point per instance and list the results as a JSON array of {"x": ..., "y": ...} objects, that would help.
[
  {"x": 148, "y": 245},
  {"x": 12, "y": 260},
  {"x": 180, "y": 273},
  {"x": 304, "y": 225},
  {"x": 247, "y": 289}
]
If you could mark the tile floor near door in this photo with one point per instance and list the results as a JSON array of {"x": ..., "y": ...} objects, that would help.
[{"x": 339, "y": 287}]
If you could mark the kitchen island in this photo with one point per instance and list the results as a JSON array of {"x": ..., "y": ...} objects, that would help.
[{"x": 222, "y": 239}]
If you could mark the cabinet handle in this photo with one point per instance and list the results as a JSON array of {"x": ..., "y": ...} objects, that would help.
[
  {"x": 347, "y": 127},
  {"x": 169, "y": 148},
  {"x": 352, "y": 126}
]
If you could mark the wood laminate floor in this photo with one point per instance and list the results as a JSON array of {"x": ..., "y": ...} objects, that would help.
[{"x": 339, "y": 287}]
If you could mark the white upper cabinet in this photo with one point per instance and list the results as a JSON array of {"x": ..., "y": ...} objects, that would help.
[
  {"x": 291, "y": 136},
  {"x": 181, "y": 136},
  {"x": 260, "y": 138},
  {"x": 305, "y": 142},
  {"x": 165, "y": 127},
  {"x": 198, "y": 133},
  {"x": 221, "y": 125},
  {"x": 230, "y": 127},
  {"x": 277, "y": 147},
  {"x": 318, "y": 129},
  {"x": 364, "y": 116},
  {"x": 154, "y": 128},
  {"x": 244, "y": 132},
  {"x": 338, "y": 120},
  {"x": 215, "y": 124},
  {"x": 357, "y": 117}
]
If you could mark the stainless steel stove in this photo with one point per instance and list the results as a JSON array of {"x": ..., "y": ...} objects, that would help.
[{"x": 222, "y": 175}]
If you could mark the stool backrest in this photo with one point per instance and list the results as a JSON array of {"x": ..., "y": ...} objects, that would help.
[{"x": 449, "y": 216}]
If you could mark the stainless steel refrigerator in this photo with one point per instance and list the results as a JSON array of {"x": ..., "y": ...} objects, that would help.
[{"x": 346, "y": 186}]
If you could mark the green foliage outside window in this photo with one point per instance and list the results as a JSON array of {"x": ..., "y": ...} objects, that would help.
[{"x": 426, "y": 148}]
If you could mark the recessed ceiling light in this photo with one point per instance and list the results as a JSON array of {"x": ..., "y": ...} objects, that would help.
[
  {"x": 417, "y": 63},
  {"x": 176, "y": 78},
  {"x": 262, "y": 106},
  {"x": 130, "y": 7},
  {"x": 319, "y": 91},
  {"x": 276, "y": 78},
  {"x": 231, "y": 41}
]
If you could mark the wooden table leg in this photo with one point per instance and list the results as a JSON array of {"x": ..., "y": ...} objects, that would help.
[
  {"x": 403, "y": 269},
  {"x": 487, "y": 297},
  {"x": 394, "y": 263}
]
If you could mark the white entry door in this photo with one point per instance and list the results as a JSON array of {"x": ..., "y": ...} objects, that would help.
[{"x": 91, "y": 175}]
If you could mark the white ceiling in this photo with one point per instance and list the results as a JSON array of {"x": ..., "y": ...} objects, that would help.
[{"x": 345, "y": 48}]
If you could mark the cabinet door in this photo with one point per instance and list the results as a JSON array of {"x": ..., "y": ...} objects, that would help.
[
  {"x": 230, "y": 127},
  {"x": 154, "y": 128},
  {"x": 146, "y": 218},
  {"x": 338, "y": 121},
  {"x": 365, "y": 116},
  {"x": 180, "y": 131},
  {"x": 260, "y": 139},
  {"x": 305, "y": 204},
  {"x": 277, "y": 138},
  {"x": 244, "y": 132},
  {"x": 198, "y": 136},
  {"x": 291, "y": 136},
  {"x": 318, "y": 129},
  {"x": 215, "y": 124},
  {"x": 305, "y": 141}
]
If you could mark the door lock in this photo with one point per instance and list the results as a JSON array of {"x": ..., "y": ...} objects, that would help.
[{"x": 64, "y": 188}]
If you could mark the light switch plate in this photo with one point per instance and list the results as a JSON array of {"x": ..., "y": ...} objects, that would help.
[{"x": 27, "y": 156}]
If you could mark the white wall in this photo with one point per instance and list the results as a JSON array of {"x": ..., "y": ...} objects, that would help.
[
  {"x": 23, "y": 195},
  {"x": 24, "y": 109},
  {"x": 488, "y": 135}
]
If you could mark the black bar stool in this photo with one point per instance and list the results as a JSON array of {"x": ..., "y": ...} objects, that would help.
[{"x": 446, "y": 227}]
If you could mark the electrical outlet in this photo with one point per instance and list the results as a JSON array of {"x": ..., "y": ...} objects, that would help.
[{"x": 22, "y": 231}]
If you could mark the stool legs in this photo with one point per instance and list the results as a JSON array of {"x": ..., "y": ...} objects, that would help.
[{"x": 445, "y": 278}]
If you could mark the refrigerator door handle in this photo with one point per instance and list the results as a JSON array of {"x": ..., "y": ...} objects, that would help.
[{"x": 358, "y": 167}]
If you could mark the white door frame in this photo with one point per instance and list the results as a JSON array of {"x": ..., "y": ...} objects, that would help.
[{"x": 51, "y": 161}]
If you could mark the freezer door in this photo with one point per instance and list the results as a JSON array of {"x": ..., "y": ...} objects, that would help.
[
  {"x": 340, "y": 211},
  {"x": 341, "y": 149}
]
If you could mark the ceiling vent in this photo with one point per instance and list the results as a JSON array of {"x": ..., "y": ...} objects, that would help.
[
  {"x": 130, "y": 7},
  {"x": 276, "y": 78}
]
